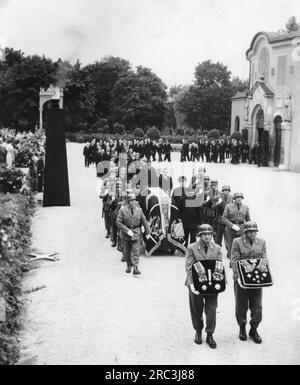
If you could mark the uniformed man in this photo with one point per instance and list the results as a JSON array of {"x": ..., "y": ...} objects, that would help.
[
  {"x": 130, "y": 220},
  {"x": 202, "y": 250},
  {"x": 235, "y": 216},
  {"x": 248, "y": 246},
  {"x": 191, "y": 215},
  {"x": 179, "y": 192},
  {"x": 211, "y": 200},
  {"x": 219, "y": 208}
]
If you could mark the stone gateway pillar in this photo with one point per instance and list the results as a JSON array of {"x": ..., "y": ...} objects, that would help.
[{"x": 56, "y": 190}]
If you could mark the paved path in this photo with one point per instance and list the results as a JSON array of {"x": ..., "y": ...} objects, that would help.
[{"x": 91, "y": 312}]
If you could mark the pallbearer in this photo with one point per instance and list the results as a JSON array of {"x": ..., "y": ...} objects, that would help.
[
  {"x": 130, "y": 220},
  {"x": 202, "y": 251},
  {"x": 250, "y": 276}
]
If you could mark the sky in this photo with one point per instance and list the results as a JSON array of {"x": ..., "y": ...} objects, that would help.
[{"x": 169, "y": 36}]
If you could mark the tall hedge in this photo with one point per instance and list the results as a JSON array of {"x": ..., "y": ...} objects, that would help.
[{"x": 15, "y": 221}]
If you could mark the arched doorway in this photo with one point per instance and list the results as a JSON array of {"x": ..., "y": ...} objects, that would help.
[
  {"x": 260, "y": 125},
  {"x": 277, "y": 152},
  {"x": 237, "y": 124}
]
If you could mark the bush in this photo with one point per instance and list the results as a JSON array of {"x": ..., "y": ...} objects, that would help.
[
  {"x": 106, "y": 129},
  {"x": 119, "y": 129},
  {"x": 10, "y": 180},
  {"x": 214, "y": 134},
  {"x": 15, "y": 222},
  {"x": 180, "y": 131},
  {"x": 138, "y": 133},
  {"x": 237, "y": 136},
  {"x": 99, "y": 125},
  {"x": 153, "y": 133}
]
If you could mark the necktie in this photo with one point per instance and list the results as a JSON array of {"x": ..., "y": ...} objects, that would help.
[
  {"x": 251, "y": 243},
  {"x": 206, "y": 249}
]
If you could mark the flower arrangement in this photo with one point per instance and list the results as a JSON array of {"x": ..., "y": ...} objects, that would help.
[{"x": 11, "y": 180}]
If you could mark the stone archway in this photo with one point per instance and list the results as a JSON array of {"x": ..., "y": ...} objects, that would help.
[
  {"x": 237, "y": 124},
  {"x": 278, "y": 135},
  {"x": 52, "y": 93}
]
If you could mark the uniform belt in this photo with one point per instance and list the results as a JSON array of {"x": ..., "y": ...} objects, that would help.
[
  {"x": 134, "y": 228},
  {"x": 238, "y": 222}
]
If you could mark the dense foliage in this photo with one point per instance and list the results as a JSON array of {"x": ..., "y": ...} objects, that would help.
[
  {"x": 15, "y": 220},
  {"x": 11, "y": 180}
]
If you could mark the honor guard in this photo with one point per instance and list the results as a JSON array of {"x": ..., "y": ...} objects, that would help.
[
  {"x": 202, "y": 250},
  {"x": 130, "y": 220},
  {"x": 248, "y": 247},
  {"x": 235, "y": 216}
]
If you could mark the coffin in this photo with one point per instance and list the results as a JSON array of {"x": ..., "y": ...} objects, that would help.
[{"x": 165, "y": 224}]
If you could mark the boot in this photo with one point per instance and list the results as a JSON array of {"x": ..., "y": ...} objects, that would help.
[
  {"x": 255, "y": 336},
  {"x": 243, "y": 334},
  {"x": 114, "y": 244},
  {"x": 136, "y": 271},
  {"x": 123, "y": 259},
  {"x": 198, "y": 338},
  {"x": 107, "y": 235},
  {"x": 128, "y": 270},
  {"x": 211, "y": 342}
]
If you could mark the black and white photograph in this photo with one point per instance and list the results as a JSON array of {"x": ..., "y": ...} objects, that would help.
[{"x": 149, "y": 185}]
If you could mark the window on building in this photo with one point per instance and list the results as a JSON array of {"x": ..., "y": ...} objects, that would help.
[
  {"x": 281, "y": 71},
  {"x": 264, "y": 64}
]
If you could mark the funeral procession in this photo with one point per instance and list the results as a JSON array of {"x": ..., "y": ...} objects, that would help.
[{"x": 149, "y": 182}]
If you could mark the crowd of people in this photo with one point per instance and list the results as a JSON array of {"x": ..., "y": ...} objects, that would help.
[
  {"x": 216, "y": 151},
  {"x": 24, "y": 150},
  {"x": 209, "y": 214}
]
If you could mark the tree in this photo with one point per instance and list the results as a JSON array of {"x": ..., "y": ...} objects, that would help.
[
  {"x": 79, "y": 99},
  {"x": 207, "y": 104},
  {"x": 139, "y": 99},
  {"x": 118, "y": 129},
  {"x": 153, "y": 133},
  {"x": 214, "y": 134},
  {"x": 138, "y": 133},
  {"x": 20, "y": 80},
  {"x": 292, "y": 24},
  {"x": 104, "y": 75},
  {"x": 239, "y": 85}
]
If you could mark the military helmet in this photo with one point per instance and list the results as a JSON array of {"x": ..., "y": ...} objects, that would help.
[
  {"x": 206, "y": 177},
  {"x": 238, "y": 195},
  {"x": 204, "y": 229},
  {"x": 214, "y": 182},
  {"x": 250, "y": 226},
  {"x": 226, "y": 188}
]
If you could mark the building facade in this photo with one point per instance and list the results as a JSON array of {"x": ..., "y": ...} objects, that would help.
[{"x": 269, "y": 112}]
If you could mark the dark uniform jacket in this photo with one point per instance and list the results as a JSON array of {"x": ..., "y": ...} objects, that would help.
[
  {"x": 190, "y": 212},
  {"x": 126, "y": 221},
  {"x": 232, "y": 216},
  {"x": 196, "y": 252},
  {"x": 220, "y": 207},
  {"x": 242, "y": 249}
]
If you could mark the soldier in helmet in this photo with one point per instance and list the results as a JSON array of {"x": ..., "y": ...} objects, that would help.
[
  {"x": 235, "y": 216},
  {"x": 130, "y": 220},
  {"x": 248, "y": 246},
  {"x": 204, "y": 249}
]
